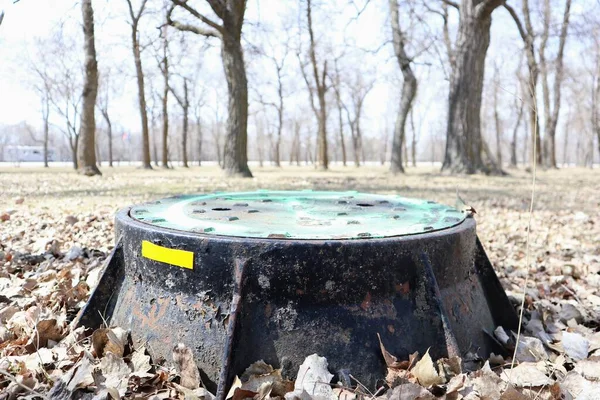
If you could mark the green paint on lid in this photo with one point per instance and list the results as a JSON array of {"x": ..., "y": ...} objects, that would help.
[{"x": 298, "y": 215}]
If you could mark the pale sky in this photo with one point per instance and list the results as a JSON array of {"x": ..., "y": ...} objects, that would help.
[{"x": 30, "y": 19}]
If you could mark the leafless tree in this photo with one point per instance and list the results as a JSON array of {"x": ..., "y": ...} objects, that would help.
[
  {"x": 278, "y": 64},
  {"x": 337, "y": 86},
  {"x": 183, "y": 99},
  {"x": 358, "y": 91},
  {"x": 43, "y": 87},
  {"x": 464, "y": 142},
  {"x": 497, "y": 119},
  {"x": 409, "y": 88},
  {"x": 229, "y": 31},
  {"x": 135, "y": 16},
  {"x": 106, "y": 89},
  {"x": 317, "y": 83},
  {"x": 552, "y": 107},
  {"x": 86, "y": 153},
  {"x": 164, "y": 69}
]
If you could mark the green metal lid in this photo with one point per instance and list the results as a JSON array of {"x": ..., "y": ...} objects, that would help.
[{"x": 298, "y": 215}]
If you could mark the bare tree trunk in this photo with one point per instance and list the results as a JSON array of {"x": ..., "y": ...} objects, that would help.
[
  {"x": 338, "y": 100},
  {"x": 513, "y": 143},
  {"x": 236, "y": 142},
  {"x": 185, "y": 107},
  {"x": 46, "y": 117},
  {"x": 109, "y": 134},
  {"x": 566, "y": 144},
  {"x": 321, "y": 88},
  {"x": 497, "y": 126},
  {"x": 595, "y": 114},
  {"x": 199, "y": 137},
  {"x": 414, "y": 139},
  {"x": 553, "y": 111},
  {"x": 86, "y": 152},
  {"x": 464, "y": 143},
  {"x": 527, "y": 33},
  {"x": 137, "y": 57},
  {"x": 409, "y": 89},
  {"x": 231, "y": 13},
  {"x": 165, "y": 101}
]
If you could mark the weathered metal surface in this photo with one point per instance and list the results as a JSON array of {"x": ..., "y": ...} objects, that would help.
[
  {"x": 299, "y": 297},
  {"x": 298, "y": 215}
]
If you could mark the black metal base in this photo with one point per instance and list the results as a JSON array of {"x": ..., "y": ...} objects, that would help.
[{"x": 433, "y": 290}]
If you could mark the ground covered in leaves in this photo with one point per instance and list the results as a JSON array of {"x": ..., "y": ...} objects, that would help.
[{"x": 56, "y": 229}]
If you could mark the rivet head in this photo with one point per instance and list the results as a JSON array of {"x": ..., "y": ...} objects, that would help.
[
  {"x": 364, "y": 234},
  {"x": 199, "y": 211},
  {"x": 231, "y": 218},
  {"x": 342, "y": 214},
  {"x": 240, "y": 205},
  {"x": 252, "y": 211},
  {"x": 353, "y": 222},
  {"x": 207, "y": 230},
  {"x": 428, "y": 228}
]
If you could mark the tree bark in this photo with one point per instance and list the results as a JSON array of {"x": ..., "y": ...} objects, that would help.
[
  {"x": 137, "y": 57},
  {"x": 464, "y": 143},
  {"x": 409, "y": 90},
  {"x": 86, "y": 152}
]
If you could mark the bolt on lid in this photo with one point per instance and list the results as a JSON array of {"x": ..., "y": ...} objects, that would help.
[{"x": 298, "y": 215}]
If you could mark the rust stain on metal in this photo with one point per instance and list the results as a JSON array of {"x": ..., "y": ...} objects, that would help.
[{"x": 156, "y": 313}]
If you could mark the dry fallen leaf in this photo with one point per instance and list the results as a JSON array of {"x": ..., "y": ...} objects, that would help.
[
  {"x": 525, "y": 375},
  {"x": 575, "y": 345},
  {"x": 186, "y": 366},
  {"x": 313, "y": 379},
  {"x": 425, "y": 372}
]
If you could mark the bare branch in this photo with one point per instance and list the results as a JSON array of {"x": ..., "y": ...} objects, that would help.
[
  {"x": 451, "y": 3},
  {"x": 201, "y": 17},
  {"x": 517, "y": 20}
]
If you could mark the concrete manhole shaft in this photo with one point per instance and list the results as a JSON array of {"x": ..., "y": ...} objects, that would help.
[{"x": 277, "y": 276}]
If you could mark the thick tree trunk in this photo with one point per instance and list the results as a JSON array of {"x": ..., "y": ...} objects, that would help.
[
  {"x": 146, "y": 162},
  {"x": 86, "y": 152},
  {"x": 409, "y": 90},
  {"x": 464, "y": 144},
  {"x": 235, "y": 159},
  {"x": 498, "y": 129}
]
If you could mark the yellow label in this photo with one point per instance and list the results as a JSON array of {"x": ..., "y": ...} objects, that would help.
[{"x": 180, "y": 258}]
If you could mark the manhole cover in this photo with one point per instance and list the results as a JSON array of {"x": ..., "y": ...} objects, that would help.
[
  {"x": 280, "y": 275},
  {"x": 298, "y": 215}
]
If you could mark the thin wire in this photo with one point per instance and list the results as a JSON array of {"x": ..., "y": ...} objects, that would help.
[{"x": 527, "y": 255}]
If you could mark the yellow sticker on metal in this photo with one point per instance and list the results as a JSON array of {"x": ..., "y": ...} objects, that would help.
[{"x": 180, "y": 258}]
